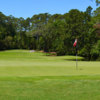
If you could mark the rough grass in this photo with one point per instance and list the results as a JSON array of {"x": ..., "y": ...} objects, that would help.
[{"x": 26, "y": 75}]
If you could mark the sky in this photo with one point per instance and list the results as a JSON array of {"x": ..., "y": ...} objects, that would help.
[{"x": 28, "y": 8}]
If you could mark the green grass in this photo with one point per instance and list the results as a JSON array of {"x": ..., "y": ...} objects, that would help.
[{"x": 26, "y": 75}]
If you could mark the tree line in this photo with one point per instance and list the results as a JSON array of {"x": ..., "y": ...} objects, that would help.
[{"x": 53, "y": 33}]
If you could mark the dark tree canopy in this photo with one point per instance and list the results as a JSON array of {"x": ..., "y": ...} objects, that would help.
[{"x": 53, "y": 33}]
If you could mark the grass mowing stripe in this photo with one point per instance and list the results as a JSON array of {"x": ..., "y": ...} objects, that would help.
[
  {"x": 31, "y": 79},
  {"x": 51, "y": 89}
]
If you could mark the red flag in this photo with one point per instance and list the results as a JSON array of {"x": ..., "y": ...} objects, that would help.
[{"x": 75, "y": 43}]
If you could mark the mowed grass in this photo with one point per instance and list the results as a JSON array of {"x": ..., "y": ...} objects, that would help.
[{"x": 26, "y": 75}]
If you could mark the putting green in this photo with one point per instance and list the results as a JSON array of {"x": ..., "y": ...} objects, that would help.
[
  {"x": 23, "y": 63},
  {"x": 26, "y": 75}
]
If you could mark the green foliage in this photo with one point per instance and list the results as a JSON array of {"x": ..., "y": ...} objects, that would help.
[
  {"x": 95, "y": 51},
  {"x": 96, "y": 14},
  {"x": 97, "y": 2},
  {"x": 52, "y": 33},
  {"x": 89, "y": 10}
]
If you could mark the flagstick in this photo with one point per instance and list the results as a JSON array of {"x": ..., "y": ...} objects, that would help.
[
  {"x": 76, "y": 60},
  {"x": 75, "y": 45}
]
